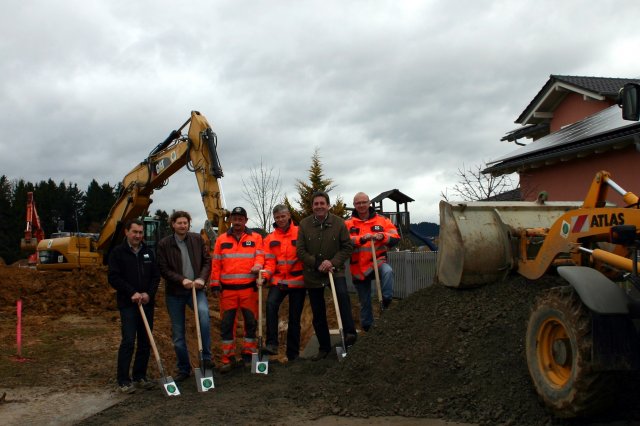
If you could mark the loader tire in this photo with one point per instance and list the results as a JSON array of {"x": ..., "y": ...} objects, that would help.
[{"x": 558, "y": 346}]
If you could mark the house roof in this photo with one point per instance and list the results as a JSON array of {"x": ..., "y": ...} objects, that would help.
[
  {"x": 394, "y": 195},
  {"x": 558, "y": 86},
  {"x": 601, "y": 131}
]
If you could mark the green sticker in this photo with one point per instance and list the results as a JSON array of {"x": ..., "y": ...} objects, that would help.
[
  {"x": 171, "y": 388},
  {"x": 207, "y": 383},
  {"x": 262, "y": 367}
]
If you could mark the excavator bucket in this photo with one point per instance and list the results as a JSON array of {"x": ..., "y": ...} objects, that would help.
[{"x": 478, "y": 240}]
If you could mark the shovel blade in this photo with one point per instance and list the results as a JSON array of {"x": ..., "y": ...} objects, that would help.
[
  {"x": 259, "y": 365},
  {"x": 204, "y": 380},
  {"x": 169, "y": 387},
  {"x": 341, "y": 352}
]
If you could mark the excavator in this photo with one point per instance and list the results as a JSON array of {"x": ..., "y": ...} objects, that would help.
[
  {"x": 197, "y": 150},
  {"x": 33, "y": 232},
  {"x": 581, "y": 335}
]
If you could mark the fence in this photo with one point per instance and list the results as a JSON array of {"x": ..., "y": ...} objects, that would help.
[{"x": 413, "y": 270}]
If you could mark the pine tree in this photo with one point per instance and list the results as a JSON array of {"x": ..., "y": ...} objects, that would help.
[{"x": 317, "y": 182}]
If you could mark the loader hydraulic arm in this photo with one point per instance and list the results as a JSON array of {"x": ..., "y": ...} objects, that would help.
[{"x": 197, "y": 151}]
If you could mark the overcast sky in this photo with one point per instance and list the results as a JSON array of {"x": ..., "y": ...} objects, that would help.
[{"x": 394, "y": 94}]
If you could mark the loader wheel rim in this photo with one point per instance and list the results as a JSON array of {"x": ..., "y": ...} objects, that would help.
[{"x": 555, "y": 354}]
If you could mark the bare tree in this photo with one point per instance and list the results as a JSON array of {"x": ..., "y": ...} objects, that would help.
[
  {"x": 475, "y": 185},
  {"x": 262, "y": 191}
]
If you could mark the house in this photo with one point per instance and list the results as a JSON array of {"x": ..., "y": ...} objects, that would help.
[{"x": 573, "y": 128}]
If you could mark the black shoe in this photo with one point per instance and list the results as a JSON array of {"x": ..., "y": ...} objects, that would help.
[
  {"x": 366, "y": 327},
  {"x": 386, "y": 303},
  {"x": 320, "y": 355},
  {"x": 350, "y": 339},
  {"x": 207, "y": 364},
  {"x": 246, "y": 360},
  {"x": 226, "y": 367},
  {"x": 270, "y": 349},
  {"x": 181, "y": 377}
]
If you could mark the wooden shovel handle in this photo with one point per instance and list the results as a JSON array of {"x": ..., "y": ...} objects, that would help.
[
  {"x": 375, "y": 268},
  {"x": 335, "y": 300},
  {"x": 150, "y": 334},
  {"x": 195, "y": 310}
]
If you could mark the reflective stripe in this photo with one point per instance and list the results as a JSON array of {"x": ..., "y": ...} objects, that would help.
[
  {"x": 287, "y": 262},
  {"x": 292, "y": 282},
  {"x": 236, "y": 276},
  {"x": 217, "y": 256},
  {"x": 270, "y": 256},
  {"x": 237, "y": 255}
]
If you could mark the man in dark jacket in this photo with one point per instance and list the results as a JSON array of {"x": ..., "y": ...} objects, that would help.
[
  {"x": 133, "y": 272},
  {"x": 324, "y": 246},
  {"x": 185, "y": 262}
]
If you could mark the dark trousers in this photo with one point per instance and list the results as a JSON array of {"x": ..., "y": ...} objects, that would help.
[
  {"x": 319, "y": 310},
  {"x": 132, "y": 329},
  {"x": 296, "y": 304}
]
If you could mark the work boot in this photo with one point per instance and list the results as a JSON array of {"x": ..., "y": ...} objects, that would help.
[
  {"x": 144, "y": 384},
  {"x": 181, "y": 377},
  {"x": 350, "y": 339},
  {"x": 126, "y": 388},
  {"x": 226, "y": 367},
  {"x": 246, "y": 360},
  {"x": 320, "y": 355},
  {"x": 386, "y": 303},
  {"x": 207, "y": 364},
  {"x": 270, "y": 350}
]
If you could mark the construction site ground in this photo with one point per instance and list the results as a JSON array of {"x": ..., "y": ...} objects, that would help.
[{"x": 439, "y": 357}]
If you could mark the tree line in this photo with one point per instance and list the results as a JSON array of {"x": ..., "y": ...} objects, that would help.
[{"x": 61, "y": 207}]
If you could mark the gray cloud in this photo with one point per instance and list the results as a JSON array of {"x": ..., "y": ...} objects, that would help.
[{"x": 394, "y": 94}]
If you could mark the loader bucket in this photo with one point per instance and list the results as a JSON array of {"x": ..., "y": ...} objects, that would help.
[{"x": 478, "y": 240}]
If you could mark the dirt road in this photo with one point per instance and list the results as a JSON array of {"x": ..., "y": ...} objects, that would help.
[{"x": 444, "y": 354}]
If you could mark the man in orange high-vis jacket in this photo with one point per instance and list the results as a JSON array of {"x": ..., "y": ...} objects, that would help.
[
  {"x": 364, "y": 226},
  {"x": 285, "y": 272},
  {"x": 237, "y": 258}
]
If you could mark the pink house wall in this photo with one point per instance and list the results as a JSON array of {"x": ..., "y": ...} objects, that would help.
[
  {"x": 574, "y": 108},
  {"x": 570, "y": 180}
]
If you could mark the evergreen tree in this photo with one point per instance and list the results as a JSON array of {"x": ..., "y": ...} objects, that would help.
[
  {"x": 317, "y": 182},
  {"x": 96, "y": 204}
]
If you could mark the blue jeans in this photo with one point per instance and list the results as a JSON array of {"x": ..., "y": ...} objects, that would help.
[
  {"x": 364, "y": 290},
  {"x": 176, "y": 307},
  {"x": 132, "y": 327}
]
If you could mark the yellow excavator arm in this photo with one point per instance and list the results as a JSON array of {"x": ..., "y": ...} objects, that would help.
[{"x": 197, "y": 151}]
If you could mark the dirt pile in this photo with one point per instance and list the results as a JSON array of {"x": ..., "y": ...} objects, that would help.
[
  {"x": 453, "y": 354},
  {"x": 441, "y": 353}
]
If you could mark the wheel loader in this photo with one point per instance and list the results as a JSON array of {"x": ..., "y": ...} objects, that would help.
[{"x": 580, "y": 336}]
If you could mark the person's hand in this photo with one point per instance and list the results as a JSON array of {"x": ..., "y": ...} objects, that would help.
[
  {"x": 198, "y": 283},
  {"x": 136, "y": 298},
  {"x": 379, "y": 236},
  {"x": 145, "y": 298},
  {"x": 186, "y": 283},
  {"x": 255, "y": 269},
  {"x": 326, "y": 266},
  {"x": 366, "y": 237}
]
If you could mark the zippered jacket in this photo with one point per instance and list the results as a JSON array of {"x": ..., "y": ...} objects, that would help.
[
  {"x": 361, "y": 263},
  {"x": 131, "y": 272},
  {"x": 281, "y": 260},
  {"x": 322, "y": 240},
  {"x": 170, "y": 262},
  {"x": 233, "y": 260}
]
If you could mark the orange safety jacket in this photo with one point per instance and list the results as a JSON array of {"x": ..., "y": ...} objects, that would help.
[
  {"x": 282, "y": 264},
  {"x": 233, "y": 259},
  {"x": 361, "y": 263}
]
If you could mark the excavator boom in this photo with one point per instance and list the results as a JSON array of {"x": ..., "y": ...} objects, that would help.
[{"x": 197, "y": 151}]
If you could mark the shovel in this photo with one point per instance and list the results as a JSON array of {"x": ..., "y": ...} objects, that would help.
[
  {"x": 259, "y": 362},
  {"x": 204, "y": 377},
  {"x": 377, "y": 274},
  {"x": 168, "y": 385},
  {"x": 340, "y": 351}
]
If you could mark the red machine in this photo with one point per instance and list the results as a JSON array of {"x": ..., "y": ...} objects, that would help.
[{"x": 33, "y": 233}]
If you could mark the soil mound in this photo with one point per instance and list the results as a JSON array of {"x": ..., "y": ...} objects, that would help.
[{"x": 453, "y": 354}]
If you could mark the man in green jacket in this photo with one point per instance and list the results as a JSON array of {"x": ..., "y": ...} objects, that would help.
[{"x": 324, "y": 246}]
